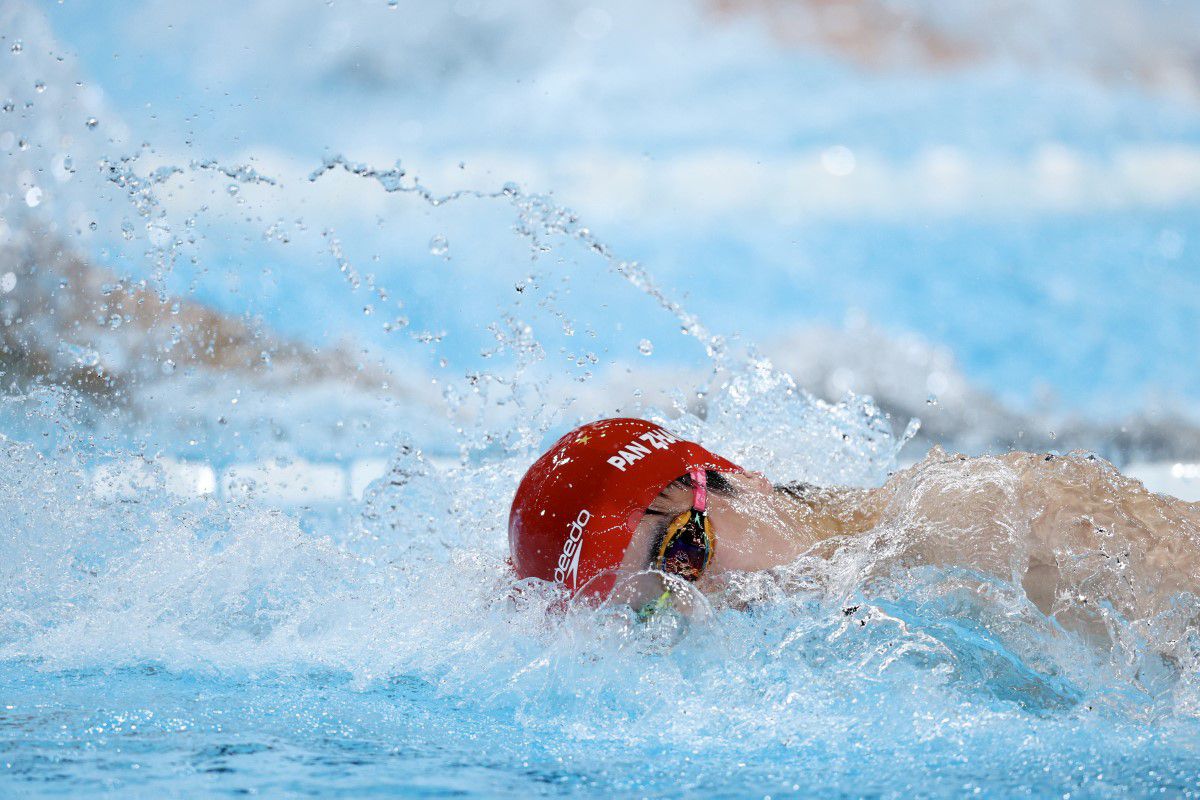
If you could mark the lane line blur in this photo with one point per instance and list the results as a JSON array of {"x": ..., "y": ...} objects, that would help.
[{"x": 300, "y": 482}]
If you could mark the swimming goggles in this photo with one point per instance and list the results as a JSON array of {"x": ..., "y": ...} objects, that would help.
[{"x": 687, "y": 546}]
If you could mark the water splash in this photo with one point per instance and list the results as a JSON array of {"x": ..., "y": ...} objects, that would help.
[
  {"x": 397, "y": 620},
  {"x": 540, "y": 220}
]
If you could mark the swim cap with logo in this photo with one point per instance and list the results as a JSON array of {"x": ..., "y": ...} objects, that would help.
[{"x": 576, "y": 509}]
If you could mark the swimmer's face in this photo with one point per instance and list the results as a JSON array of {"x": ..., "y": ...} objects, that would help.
[{"x": 751, "y": 533}]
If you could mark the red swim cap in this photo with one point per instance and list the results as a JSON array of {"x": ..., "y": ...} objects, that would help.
[{"x": 578, "y": 506}]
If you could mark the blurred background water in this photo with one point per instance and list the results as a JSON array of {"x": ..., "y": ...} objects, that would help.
[{"x": 406, "y": 244}]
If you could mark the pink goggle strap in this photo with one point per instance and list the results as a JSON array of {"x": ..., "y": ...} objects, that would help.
[{"x": 699, "y": 490}]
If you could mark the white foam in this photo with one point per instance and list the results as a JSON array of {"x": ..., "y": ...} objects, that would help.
[
  {"x": 295, "y": 483},
  {"x": 131, "y": 479},
  {"x": 364, "y": 472}
]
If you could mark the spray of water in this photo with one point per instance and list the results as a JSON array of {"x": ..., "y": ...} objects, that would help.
[{"x": 865, "y": 657}]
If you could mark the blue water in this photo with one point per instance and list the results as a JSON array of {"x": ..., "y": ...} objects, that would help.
[
  {"x": 155, "y": 645},
  {"x": 1090, "y": 298},
  {"x": 163, "y": 733}
]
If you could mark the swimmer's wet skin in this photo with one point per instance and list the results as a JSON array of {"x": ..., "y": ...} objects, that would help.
[{"x": 615, "y": 498}]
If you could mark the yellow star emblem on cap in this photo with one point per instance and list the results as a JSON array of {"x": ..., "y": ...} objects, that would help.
[{"x": 583, "y": 439}]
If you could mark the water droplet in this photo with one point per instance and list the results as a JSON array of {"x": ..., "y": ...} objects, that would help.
[
  {"x": 23, "y": 144},
  {"x": 81, "y": 356},
  {"x": 39, "y": 87},
  {"x": 17, "y": 46},
  {"x": 232, "y": 189},
  {"x": 127, "y": 231},
  {"x": 33, "y": 197},
  {"x": 439, "y": 246},
  {"x": 92, "y": 225},
  {"x": 393, "y": 4},
  {"x": 510, "y": 189},
  {"x": 168, "y": 367},
  {"x": 368, "y": 310},
  {"x": 931, "y": 400},
  {"x": 645, "y": 347},
  {"x": 115, "y": 321},
  {"x": 92, "y": 122},
  {"x": 8, "y": 282},
  {"x": 8, "y": 106}
]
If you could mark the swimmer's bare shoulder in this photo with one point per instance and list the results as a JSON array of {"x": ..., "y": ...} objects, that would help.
[{"x": 1086, "y": 472}]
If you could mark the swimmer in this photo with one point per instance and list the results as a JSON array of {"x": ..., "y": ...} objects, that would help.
[{"x": 621, "y": 497}]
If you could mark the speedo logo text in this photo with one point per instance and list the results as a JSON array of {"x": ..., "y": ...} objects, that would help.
[{"x": 568, "y": 561}]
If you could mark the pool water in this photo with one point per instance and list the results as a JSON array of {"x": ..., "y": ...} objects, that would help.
[{"x": 223, "y": 272}]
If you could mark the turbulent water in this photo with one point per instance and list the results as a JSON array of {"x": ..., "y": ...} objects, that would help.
[
  {"x": 170, "y": 301},
  {"x": 205, "y": 644}
]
